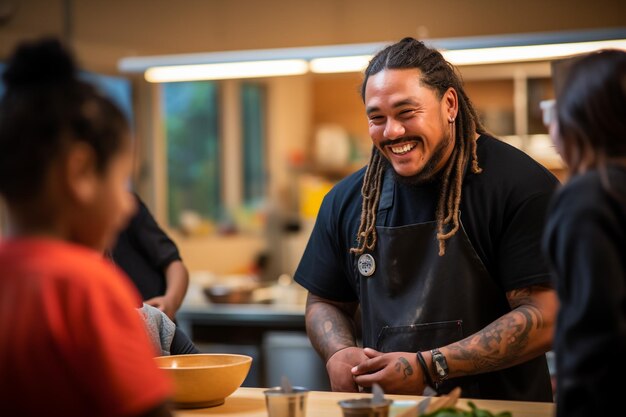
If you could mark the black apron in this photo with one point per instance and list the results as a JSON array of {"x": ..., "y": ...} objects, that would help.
[{"x": 414, "y": 299}]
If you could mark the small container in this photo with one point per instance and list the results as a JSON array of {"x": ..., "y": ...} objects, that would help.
[
  {"x": 286, "y": 404},
  {"x": 364, "y": 407}
]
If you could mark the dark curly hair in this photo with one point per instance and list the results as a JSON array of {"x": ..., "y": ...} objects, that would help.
[{"x": 45, "y": 107}]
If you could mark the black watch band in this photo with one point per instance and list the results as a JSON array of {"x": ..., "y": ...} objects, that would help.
[{"x": 440, "y": 366}]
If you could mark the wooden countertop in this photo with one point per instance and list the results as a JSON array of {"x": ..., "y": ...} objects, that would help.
[{"x": 250, "y": 402}]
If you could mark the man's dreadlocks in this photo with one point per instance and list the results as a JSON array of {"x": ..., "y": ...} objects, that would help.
[{"x": 440, "y": 75}]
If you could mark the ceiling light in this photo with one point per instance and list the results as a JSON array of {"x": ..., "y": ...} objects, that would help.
[
  {"x": 478, "y": 56},
  {"x": 355, "y": 57},
  {"x": 248, "y": 69},
  {"x": 503, "y": 54},
  {"x": 340, "y": 64}
]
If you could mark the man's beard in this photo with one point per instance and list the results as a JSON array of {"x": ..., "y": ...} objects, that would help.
[{"x": 429, "y": 172}]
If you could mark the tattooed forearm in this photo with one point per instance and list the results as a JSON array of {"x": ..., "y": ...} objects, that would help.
[
  {"x": 405, "y": 367},
  {"x": 505, "y": 341},
  {"x": 330, "y": 326}
]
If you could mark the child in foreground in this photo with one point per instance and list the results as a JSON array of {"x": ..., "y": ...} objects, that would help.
[{"x": 72, "y": 343}]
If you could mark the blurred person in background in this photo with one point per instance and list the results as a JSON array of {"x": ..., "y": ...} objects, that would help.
[
  {"x": 72, "y": 342},
  {"x": 585, "y": 236},
  {"x": 152, "y": 261}
]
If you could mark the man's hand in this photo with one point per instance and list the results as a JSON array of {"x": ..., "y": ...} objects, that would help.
[
  {"x": 395, "y": 372},
  {"x": 339, "y": 366}
]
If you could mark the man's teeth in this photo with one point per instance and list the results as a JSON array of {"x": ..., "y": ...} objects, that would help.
[{"x": 400, "y": 149}]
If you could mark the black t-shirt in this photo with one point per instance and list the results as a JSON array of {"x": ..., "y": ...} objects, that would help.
[
  {"x": 585, "y": 242},
  {"x": 502, "y": 210},
  {"x": 143, "y": 250}
]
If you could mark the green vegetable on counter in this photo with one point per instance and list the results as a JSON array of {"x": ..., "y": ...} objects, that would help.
[{"x": 473, "y": 412}]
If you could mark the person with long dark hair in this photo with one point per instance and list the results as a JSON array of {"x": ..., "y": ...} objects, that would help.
[
  {"x": 436, "y": 242},
  {"x": 585, "y": 237}
]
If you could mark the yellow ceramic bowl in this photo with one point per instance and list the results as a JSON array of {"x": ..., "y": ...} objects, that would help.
[{"x": 204, "y": 380}]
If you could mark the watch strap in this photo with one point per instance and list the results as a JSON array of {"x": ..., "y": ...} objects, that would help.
[{"x": 428, "y": 379}]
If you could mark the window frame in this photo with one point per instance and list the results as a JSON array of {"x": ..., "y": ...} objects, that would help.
[{"x": 230, "y": 135}]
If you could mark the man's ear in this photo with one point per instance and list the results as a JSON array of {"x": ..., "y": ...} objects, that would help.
[
  {"x": 80, "y": 173},
  {"x": 450, "y": 103}
]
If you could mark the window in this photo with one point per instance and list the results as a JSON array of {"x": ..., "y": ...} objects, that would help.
[
  {"x": 117, "y": 89},
  {"x": 215, "y": 152},
  {"x": 253, "y": 140},
  {"x": 191, "y": 115}
]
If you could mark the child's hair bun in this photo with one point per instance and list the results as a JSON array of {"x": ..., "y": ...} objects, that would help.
[{"x": 40, "y": 62}]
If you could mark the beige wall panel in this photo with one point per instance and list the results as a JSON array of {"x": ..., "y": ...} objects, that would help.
[{"x": 106, "y": 30}]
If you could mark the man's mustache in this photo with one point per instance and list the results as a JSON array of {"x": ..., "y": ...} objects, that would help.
[{"x": 399, "y": 141}]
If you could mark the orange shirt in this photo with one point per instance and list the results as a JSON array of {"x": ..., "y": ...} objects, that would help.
[{"x": 71, "y": 341}]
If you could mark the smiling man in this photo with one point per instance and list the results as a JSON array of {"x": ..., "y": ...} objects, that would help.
[{"x": 425, "y": 267}]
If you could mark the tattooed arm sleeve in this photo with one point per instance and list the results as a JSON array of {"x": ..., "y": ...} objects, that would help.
[
  {"x": 518, "y": 336},
  {"x": 330, "y": 325}
]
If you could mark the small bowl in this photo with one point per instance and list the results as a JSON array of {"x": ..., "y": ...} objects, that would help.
[
  {"x": 204, "y": 380},
  {"x": 225, "y": 294},
  {"x": 280, "y": 403},
  {"x": 364, "y": 407}
]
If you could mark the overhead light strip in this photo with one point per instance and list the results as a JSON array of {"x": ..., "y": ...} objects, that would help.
[
  {"x": 340, "y": 64},
  {"x": 231, "y": 70},
  {"x": 355, "y": 57},
  {"x": 507, "y": 54},
  {"x": 478, "y": 56}
]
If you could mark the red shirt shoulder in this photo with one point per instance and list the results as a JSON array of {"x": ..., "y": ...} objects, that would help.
[{"x": 73, "y": 335}]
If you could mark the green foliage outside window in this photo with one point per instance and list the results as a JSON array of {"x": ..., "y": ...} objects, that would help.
[
  {"x": 191, "y": 117},
  {"x": 253, "y": 131}
]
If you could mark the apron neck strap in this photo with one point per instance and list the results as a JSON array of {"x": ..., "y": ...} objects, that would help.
[{"x": 386, "y": 197}]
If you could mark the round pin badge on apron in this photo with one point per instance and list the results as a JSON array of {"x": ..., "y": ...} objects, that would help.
[{"x": 366, "y": 265}]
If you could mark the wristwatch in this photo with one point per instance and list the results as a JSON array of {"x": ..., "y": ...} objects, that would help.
[{"x": 440, "y": 365}]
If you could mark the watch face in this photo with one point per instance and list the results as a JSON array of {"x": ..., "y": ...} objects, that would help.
[
  {"x": 440, "y": 371},
  {"x": 441, "y": 366}
]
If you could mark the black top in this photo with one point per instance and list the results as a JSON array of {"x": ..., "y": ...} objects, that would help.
[
  {"x": 502, "y": 209},
  {"x": 585, "y": 241},
  {"x": 143, "y": 250}
]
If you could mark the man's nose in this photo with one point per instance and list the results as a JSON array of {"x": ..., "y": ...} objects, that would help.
[{"x": 393, "y": 129}]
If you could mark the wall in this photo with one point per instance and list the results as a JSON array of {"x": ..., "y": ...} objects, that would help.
[
  {"x": 104, "y": 31},
  {"x": 221, "y": 255},
  {"x": 337, "y": 100}
]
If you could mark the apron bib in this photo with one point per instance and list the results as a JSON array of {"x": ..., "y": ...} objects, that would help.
[{"x": 413, "y": 299}]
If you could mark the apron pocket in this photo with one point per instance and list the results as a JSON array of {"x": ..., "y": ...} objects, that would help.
[{"x": 414, "y": 337}]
